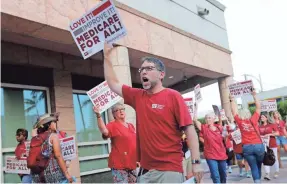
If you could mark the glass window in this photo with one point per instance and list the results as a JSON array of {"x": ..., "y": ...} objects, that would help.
[
  {"x": 86, "y": 121},
  {"x": 20, "y": 108}
]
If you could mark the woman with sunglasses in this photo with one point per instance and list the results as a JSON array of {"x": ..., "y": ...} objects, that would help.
[{"x": 122, "y": 159}]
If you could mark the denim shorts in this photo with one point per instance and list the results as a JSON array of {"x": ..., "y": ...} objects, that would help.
[
  {"x": 239, "y": 156},
  {"x": 281, "y": 140}
]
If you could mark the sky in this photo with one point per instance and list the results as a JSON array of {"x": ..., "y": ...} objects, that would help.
[{"x": 257, "y": 34}]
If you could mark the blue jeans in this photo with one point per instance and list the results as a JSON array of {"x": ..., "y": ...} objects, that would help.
[
  {"x": 217, "y": 170},
  {"x": 281, "y": 140},
  {"x": 254, "y": 154},
  {"x": 27, "y": 178}
]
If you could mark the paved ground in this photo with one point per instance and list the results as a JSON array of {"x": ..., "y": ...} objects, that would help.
[{"x": 234, "y": 178}]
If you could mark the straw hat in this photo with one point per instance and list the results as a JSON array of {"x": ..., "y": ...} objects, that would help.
[{"x": 46, "y": 118}]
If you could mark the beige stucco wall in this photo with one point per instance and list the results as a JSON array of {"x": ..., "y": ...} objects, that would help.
[{"x": 51, "y": 18}]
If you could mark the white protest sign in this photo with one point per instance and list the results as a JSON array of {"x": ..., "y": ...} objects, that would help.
[
  {"x": 236, "y": 136},
  {"x": 101, "y": 23},
  {"x": 103, "y": 97},
  {"x": 268, "y": 105},
  {"x": 13, "y": 165},
  {"x": 197, "y": 93},
  {"x": 189, "y": 103},
  {"x": 68, "y": 146},
  {"x": 241, "y": 88},
  {"x": 187, "y": 154},
  {"x": 27, "y": 147},
  {"x": 222, "y": 113},
  {"x": 265, "y": 140}
]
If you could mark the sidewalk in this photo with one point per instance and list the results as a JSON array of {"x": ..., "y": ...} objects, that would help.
[{"x": 234, "y": 176}]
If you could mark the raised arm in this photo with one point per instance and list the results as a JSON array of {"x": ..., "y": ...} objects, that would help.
[
  {"x": 195, "y": 121},
  {"x": 110, "y": 75},
  {"x": 102, "y": 127},
  {"x": 257, "y": 102},
  {"x": 234, "y": 109}
]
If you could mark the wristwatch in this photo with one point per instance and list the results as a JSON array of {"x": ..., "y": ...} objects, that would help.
[{"x": 194, "y": 161}]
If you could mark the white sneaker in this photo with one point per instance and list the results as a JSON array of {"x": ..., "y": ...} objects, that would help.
[
  {"x": 276, "y": 175},
  {"x": 267, "y": 177}
]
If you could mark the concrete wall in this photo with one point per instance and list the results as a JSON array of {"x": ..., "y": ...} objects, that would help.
[{"x": 183, "y": 15}]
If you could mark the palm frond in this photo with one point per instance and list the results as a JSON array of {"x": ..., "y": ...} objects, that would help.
[
  {"x": 29, "y": 101},
  {"x": 30, "y": 108},
  {"x": 85, "y": 103}
]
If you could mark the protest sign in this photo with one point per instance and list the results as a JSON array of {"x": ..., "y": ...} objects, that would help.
[
  {"x": 68, "y": 147},
  {"x": 222, "y": 113},
  {"x": 27, "y": 147},
  {"x": 189, "y": 103},
  {"x": 236, "y": 136},
  {"x": 265, "y": 140},
  {"x": 216, "y": 110},
  {"x": 13, "y": 165},
  {"x": 241, "y": 88},
  {"x": 101, "y": 23},
  {"x": 197, "y": 93},
  {"x": 268, "y": 105},
  {"x": 103, "y": 97}
]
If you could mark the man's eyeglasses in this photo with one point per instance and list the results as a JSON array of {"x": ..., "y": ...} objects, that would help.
[
  {"x": 147, "y": 68},
  {"x": 122, "y": 109}
]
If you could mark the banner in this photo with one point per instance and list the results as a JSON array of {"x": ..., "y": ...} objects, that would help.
[
  {"x": 101, "y": 23},
  {"x": 241, "y": 88},
  {"x": 68, "y": 146},
  {"x": 236, "y": 136},
  {"x": 13, "y": 165},
  {"x": 197, "y": 93},
  {"x": 189, "y": 103},
  {"x": 103, "y": 97},
  {"x": 268, "y": 105},
  {"x": 217, "y": 111}
]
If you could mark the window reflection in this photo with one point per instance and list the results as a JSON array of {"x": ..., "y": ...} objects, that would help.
[
  {"x": 20, "y": 108},
  {"x": 86, "y": 121}
]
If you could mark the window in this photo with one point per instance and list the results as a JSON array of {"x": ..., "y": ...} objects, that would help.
[
  {"x": 20, "y": 108},
  {"x": 93, "y": 150}
]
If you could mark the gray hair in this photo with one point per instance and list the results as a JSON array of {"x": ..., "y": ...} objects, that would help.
[
  {"x": 157, "y": 62},
  {"x": 115, "y": 106},
  {"x": 244, "y": 114}
]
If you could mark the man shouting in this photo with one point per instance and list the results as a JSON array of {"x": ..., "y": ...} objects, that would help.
[{"x": 161, "y": 114}]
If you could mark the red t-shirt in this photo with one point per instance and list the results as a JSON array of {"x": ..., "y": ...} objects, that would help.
[
  {"x": 268, "y": 129},
  {"x": 20, "y": 150},
  {"x": 249, "y": 136},
  {"x": 159, "y": 119},
  {"x": 281, "y": 127},
  {"x": 123, "y": 140},
  {"x": 213, "y": 143}
]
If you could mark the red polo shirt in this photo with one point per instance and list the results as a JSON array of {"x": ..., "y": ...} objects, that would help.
[
  {"x": 123, "y": 139},
  {"x": 249, "y": 136},
  {"x": 20, "y": 150},
  {"x": 213, "y": 143},
  {"x": 281, "y": 127},
  {"x": 160, "y": 118}
]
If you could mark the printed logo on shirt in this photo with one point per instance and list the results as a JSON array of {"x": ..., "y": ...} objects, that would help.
[
  {"x": 157, "y": 106},
  {"x": 247, "y": 127}
]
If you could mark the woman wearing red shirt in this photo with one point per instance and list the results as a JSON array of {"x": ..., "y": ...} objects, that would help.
[
  {"x": 253, "y": 149},
  {"x": 122, "y": 159},
  {"x": 214, "y": 149},
  {"x": 281, "y": 140},
  {"x": 270, "y": 130}
]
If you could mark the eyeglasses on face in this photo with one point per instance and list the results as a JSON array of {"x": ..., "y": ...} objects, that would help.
[
  {"x": 147, "y": 68},
  {"x": 117, "y": 110}
]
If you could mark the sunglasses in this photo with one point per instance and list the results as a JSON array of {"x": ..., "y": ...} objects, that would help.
[{"x": 122, "y": 109}]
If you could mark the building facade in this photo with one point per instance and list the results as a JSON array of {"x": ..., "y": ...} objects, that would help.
[{"x": 43, "y": 71}]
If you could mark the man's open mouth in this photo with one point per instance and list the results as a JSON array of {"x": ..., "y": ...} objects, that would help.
[{"x": 144, "y": 79}]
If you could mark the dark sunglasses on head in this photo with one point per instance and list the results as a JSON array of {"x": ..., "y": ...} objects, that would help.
[{"x": 122, "y": 109}]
